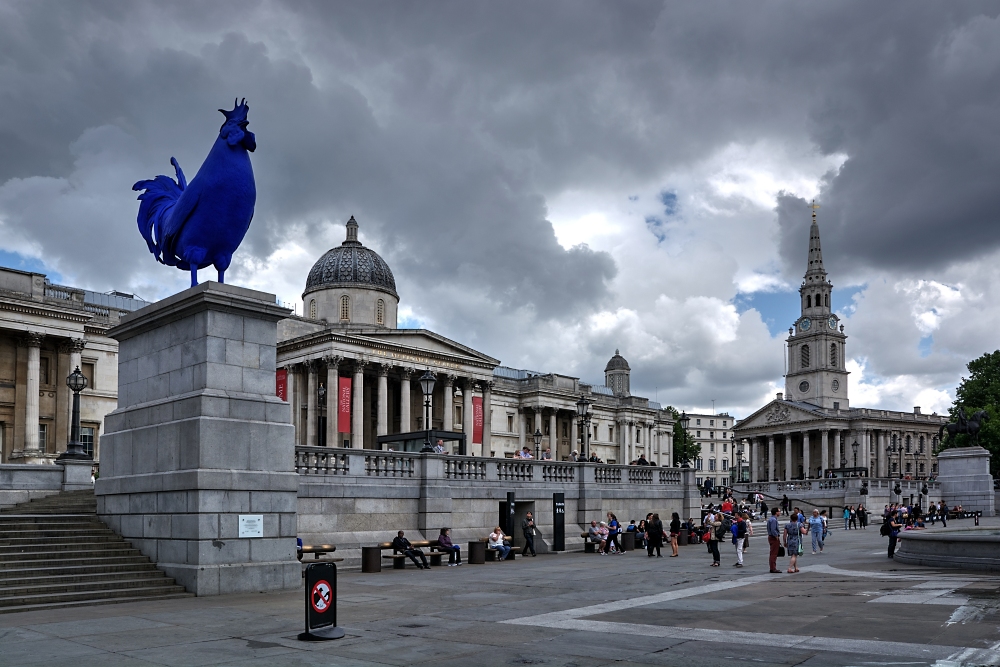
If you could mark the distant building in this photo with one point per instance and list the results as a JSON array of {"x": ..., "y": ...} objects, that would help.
[
  {"x": 352, "y": 376},
  {"x": 810, "y": 428},
  {"x": 46, "y": 331},
  {"x": 714, "y": 433}
]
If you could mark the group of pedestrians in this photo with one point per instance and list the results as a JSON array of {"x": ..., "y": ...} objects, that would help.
[
  {"x": 853, "y": 517},
  {"x": 720, "y": 526},
  {"x": 790, "y": 539}
]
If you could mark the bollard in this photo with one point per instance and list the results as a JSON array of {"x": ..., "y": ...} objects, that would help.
[
  {"x": 321, "y": 603},
  {"x": 977, "y": 518}
]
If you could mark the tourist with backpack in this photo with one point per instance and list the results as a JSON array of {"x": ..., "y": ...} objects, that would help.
[
  {"x": 891, "y": 528},
  {"x": 739, "y": 532}
]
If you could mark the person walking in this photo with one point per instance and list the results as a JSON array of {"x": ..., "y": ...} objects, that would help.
[
  {"x": 654, "y": 536},
  {"x": 773, "y": 541},
  {"x": 715, "y": 533},
  {"x": 793, "y": 538},
  {"x": 453, "y": 550},
  {"x": 943, "y": 512},
  {"x": 854, "y": 518},
  {"x": 786, "y": 504},
  {"x": 675, "y": 530},
  {"x": 739, "y": 531},
  {"x": 816, "y": 529},
  {"x": 528, "y": 530},
  {"x": 614, "y": 528},
  {"x": 847, "y": 517}
]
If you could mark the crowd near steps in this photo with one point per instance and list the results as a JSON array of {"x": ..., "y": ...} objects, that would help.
[{"x": 54, "y": 552}]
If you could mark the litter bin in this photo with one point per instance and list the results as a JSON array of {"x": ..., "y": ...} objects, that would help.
[
  {"x": 477, "y": 553},
  {"x": 371, "y": 559},
  {"x": 628, "y": 541},
  {"x": 682, "y": 539}
]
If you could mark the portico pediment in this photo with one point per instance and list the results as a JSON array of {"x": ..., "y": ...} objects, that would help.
[
  {"x": 777, "y": 414},
  {"x": 403, "y": 342}
]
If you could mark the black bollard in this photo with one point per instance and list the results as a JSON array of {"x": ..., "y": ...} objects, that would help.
[{"x": 321, "y": 603}]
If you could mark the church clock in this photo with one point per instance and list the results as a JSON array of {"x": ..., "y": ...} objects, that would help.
[{"x": 805, "y": 324}]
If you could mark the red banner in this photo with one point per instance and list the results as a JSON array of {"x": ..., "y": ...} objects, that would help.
[
  {"x": 344, "y": 406},
  {"x": 477, "y": 420},
  {"x": 281, "y": 384}
]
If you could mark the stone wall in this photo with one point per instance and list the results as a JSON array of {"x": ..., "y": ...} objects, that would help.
[
  {"x": 355, "y": 498},
  {"x": 20, "y": 483}
]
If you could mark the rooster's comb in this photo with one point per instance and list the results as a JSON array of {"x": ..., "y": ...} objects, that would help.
[{"x": 239, "y": 111}]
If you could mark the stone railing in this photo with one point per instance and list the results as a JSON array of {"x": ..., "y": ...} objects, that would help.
[
  {"x": 838, "y": 486},
  {"x": 464, "y": 468},
  {"x": 330, "y": 461},
  {"x": 558, "y": 472},
  {"x": 320, "y": 461}
]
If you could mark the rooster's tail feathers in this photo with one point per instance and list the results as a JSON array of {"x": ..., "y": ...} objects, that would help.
[{"x": 158, "y": 198}]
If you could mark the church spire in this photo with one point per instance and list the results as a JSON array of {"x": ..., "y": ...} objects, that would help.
[{"x": 814, "y": 269}]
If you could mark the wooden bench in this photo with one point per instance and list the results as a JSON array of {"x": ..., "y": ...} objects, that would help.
[
  {"x": 319, "y": 552},
  {"x": 492, "y": 554},
  {"x": 399, "y": 558},
  {"x": 588, "y": 546}
]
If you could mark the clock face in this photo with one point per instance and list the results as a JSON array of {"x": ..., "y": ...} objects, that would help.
[
  {"x": 832, "y": 322},
  {"x": 803, "y": 386},
  {"x": 805, "y": 324}
]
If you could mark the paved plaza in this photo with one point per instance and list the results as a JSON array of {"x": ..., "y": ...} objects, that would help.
[{"x": 848, "y": 606}]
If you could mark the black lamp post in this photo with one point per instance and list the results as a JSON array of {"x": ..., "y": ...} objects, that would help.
[
  {"x": 427, "y": 386},
  {"x": 855, "y": 446},
  {"x": 77, "y": 382},
  {"x": 538, "y": 443},
  {"x": 583, "y": 412},
  {"x": 685, "y": 422}
]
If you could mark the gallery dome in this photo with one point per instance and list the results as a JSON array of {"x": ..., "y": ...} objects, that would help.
[
  {"x": 617, "y": 363},
  {"x": 351, "y": 265}
]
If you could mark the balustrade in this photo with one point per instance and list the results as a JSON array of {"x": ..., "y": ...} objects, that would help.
[
  {"x": 388, "y": 465},
  {"x": 558, "y": 472},
  {"x": 673, "y": 477},
  {"x": 517, "y": 470},
  {"x": 640, "y": 475},
  {"x": 320, "y": 461},
  {"x": 608, "y": 475},
  {"x": 464, "y": 468}
]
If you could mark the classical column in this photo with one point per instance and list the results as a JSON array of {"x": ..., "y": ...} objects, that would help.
[
  {"x": 487, "y": 388},
  {"x": 358, "y": 406},
  {"x": 838, "y": 447},
  {"x": 405, "y": 421},
  {"x": 824, "y": 451},
  {"x": 880, "y": 453},
  {"x": 34, "y": 343},
  {"x": 538, "y": 427},
  {"x": 468, "y": 389},
  {"x": 448, "y": 406},
  {"x": 574, "y": 436},
  {"x": 805, "y": 455},
  {"x": 312, "y": 414},
  {"x": 332, "y": 400},
  {"x": 382, "y": 425},
  {"x": 788, "y": 457},
  {"x": 770, "y": 459},
  {"x": 754, "y": 458},
  {"x": 552, "y": 432},
  {"x": 522, "y": 426},
  {"x": 293, "y": 399}
]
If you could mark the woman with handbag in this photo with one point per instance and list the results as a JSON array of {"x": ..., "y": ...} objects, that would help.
[{"x": 793, "y": 540}]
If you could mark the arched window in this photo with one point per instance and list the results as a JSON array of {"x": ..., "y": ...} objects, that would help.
[
  {"x": 312, "y": 309},
  {"x": 380, "y": 312},
  {"x": 909, "y": 442},
  {"x": 805, "y": 356},
  {"x": 921, "y": 445},
  {"x": 809, "y": 301},
  {"x": 345, "y": 308},
  {"x": 826, "y": 300},
  {"x": 833, "y": 354}
]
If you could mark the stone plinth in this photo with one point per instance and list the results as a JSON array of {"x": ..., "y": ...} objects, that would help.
[
  {"x": 200, "y": 438},
  {"x": 964, "y": 473}
]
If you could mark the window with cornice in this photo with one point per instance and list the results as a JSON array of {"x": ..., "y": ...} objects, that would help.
[
  {"x": 833, "y": 354},
  {"x": 805, "y": 356},
  {"x": 345, "y": 308},
  {"x": 380, "y": 312}
]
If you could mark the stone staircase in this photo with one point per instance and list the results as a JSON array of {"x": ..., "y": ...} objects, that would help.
[{"x": 54, "y": 552}]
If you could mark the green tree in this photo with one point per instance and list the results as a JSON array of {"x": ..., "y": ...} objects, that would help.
[
  {"x": 685, "y": 448},
  {"x": 980, "y": 391}
]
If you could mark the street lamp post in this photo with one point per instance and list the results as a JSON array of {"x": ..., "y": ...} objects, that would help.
[
  {"x": 427, "y": 386},
  {"x": 538, "y": 443},
  {"x": 685, "y": 422},
  {"x": 583, "y": 412},
  {"x": 77, "y": 382},
  {"x": 322, "y": 412}
]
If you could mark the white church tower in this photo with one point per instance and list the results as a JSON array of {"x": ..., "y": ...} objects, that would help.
[{"x": 816, "y": 344}]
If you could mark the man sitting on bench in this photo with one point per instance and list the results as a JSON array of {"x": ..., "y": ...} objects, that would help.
[{"x": 402, "y": 545}]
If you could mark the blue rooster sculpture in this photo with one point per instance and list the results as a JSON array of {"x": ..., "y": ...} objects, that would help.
[{"x": 202, "y": 224}]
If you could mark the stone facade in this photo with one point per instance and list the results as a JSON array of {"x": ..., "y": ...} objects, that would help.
[
  {"x": 46, "y": 331},
  {"x": 714, "y": 433}
]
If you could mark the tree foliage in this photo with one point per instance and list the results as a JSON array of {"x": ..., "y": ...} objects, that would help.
[
  {"x": 980, "y": 391},
  {"x": 684, "y": 445}
]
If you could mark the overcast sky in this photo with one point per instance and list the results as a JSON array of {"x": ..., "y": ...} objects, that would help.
[{"x": 548, "y": 181}]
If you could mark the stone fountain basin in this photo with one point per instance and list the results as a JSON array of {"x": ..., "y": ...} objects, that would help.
[{"x": 959, "y": 548}]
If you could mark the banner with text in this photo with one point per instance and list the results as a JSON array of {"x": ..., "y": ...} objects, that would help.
[
  {"x": 281, "y": 384},
  {"x": 477, "y": 420},
  {"x": 344, "y": 406}
]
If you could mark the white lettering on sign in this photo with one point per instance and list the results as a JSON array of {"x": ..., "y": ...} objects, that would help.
[{"x": 251, "y": 525}]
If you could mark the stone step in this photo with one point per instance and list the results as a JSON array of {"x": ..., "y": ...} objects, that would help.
[
  {"x": 55, "y": 548},
  {"x": 59, "y": 588},
  {"x": 75, "y": 572},
  {"x": 87, "y": 603},
  {"x": 43, "y": 554},
  {"x": 78, "y": 561},
  {"x": 91, "y": 595},
  {"x": 76, "y": 537}
]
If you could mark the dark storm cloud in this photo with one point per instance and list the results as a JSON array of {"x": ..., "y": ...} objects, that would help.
[{"x": 444, "y": 126}]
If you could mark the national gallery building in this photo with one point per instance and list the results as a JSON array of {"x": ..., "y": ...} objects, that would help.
[
  {"x": 811, "y": 429},
  {"x": 352, "y": 376}
]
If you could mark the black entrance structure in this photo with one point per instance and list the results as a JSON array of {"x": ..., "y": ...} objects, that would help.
[{"x": 414, "y": 440}]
